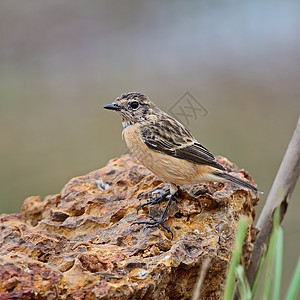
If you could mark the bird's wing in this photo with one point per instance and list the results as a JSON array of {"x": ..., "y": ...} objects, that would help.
[{"x": 170, "y": 137}]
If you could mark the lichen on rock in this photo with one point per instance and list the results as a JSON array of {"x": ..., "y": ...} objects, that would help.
[{"x": 81, "y": 244}]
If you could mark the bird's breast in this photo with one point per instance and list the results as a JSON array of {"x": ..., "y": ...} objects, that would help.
[
  {"x": 168, "y": 168},
  {"x": 136, "y": 145}
]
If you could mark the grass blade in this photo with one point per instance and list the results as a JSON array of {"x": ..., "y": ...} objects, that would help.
[
  {"x": 295, "y": 284},
  {"x": 278, "y": 262},
  {"x": 236, "y": 257},
  {"x": 269, "y": 276},
  {"x": 243, "y": 286},
  {"x": 259, "y": 269}
]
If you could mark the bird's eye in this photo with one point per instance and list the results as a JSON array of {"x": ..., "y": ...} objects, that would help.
[{"x": 134, "y": 104}]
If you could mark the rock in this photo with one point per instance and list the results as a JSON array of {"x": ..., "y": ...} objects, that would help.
[{"x": 81, "y": 244}]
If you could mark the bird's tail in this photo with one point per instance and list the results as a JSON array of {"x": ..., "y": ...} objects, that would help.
[{"x": 230, "y": 178}]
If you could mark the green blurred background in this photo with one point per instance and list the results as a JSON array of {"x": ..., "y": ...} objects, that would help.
[{"x": 62, "y": 60}]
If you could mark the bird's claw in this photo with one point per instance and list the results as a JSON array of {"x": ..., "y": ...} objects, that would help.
[{"x": 155, "y": 223}]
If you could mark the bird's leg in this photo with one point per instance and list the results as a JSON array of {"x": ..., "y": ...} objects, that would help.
[
  {"x": 155, "y": 222},
  {"x": 162, "y": 198}
]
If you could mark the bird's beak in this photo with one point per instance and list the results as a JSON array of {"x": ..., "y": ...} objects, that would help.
[{"x": 112, "y": 107}]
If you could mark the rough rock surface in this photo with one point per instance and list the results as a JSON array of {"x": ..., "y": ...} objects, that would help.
[{"x": 80, "y": 244}]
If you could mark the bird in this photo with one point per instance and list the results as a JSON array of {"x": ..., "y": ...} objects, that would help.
[{"x": 168, "y": 149}]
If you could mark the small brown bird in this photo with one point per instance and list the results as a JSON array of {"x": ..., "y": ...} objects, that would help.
[{"x": 167, "y": 148}]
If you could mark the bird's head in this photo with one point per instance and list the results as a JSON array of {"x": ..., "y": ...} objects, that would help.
[{"x": 133, "y": 108}]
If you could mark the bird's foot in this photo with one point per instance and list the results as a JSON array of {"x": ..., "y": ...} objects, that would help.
[
  {"x": 163, "y": 197},
  {"x": 154, "y": 223}
]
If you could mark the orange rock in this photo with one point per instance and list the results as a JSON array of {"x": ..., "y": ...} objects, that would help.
[{"x": 80, "y": 244}]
